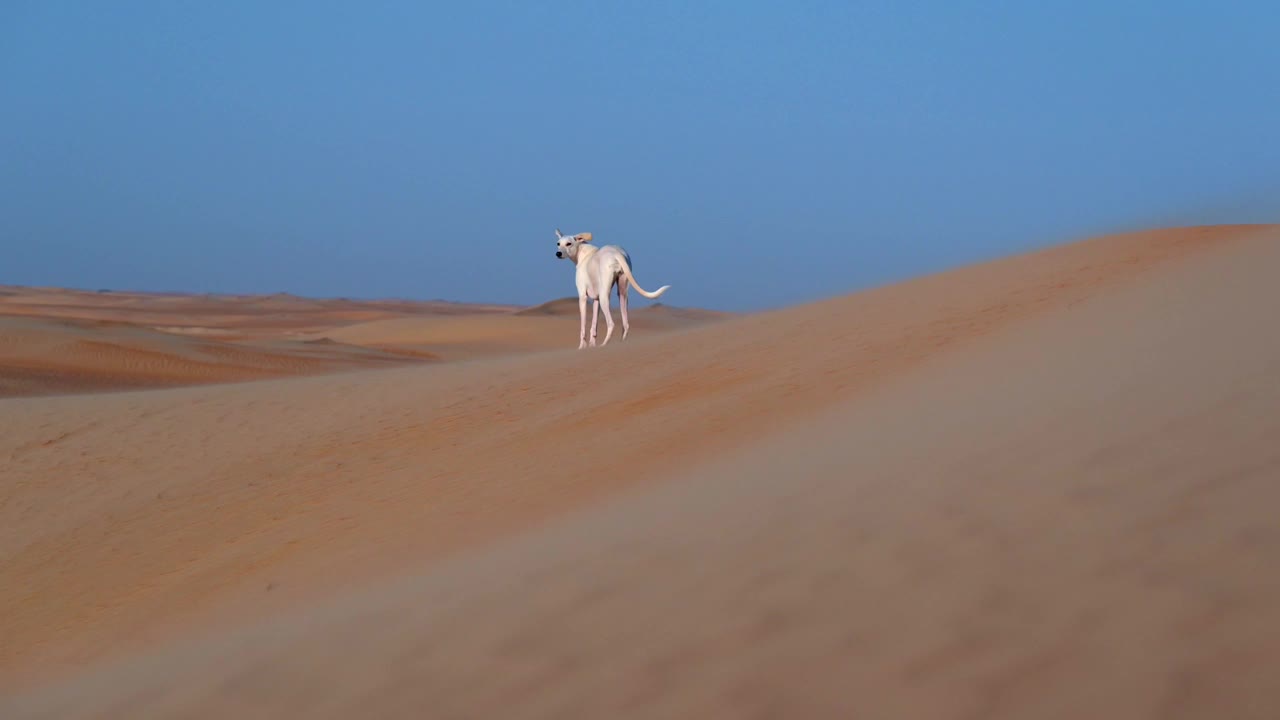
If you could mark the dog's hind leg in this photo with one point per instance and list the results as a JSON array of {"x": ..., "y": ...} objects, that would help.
[
  {"x": 595, "y": 318},
  {"x": 608, "y": 316},
  {"x": 622, "y": 306}
]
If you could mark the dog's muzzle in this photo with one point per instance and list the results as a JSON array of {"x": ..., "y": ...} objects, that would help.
[{"x": 559, "y": 254}]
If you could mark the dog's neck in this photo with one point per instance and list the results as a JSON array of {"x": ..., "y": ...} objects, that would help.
[{"x": 584, "y": 253}]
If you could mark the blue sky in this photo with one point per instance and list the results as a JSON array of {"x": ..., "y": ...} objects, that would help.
[{"x": 750, "y": 154}]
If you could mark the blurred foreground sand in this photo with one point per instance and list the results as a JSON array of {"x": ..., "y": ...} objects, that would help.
[{"x": 1040, "y": 487}]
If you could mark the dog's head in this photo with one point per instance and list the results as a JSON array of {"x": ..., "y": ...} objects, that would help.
[{"x": 567, "y": 245}]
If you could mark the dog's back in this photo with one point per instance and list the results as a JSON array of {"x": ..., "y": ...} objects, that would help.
[{"x": 609, "y": 256}]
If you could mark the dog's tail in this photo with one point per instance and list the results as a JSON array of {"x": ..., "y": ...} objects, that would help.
[{"x": 626, "y": 270}]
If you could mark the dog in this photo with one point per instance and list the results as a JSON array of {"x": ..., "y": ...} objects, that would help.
[{"x": 599, "y": 270}]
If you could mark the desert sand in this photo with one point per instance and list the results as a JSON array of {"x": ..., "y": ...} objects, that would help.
[{"x": 1041, "y": 487}]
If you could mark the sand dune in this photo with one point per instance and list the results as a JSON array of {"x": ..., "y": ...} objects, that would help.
[
  {"x": 560, "y": 306},
  {"x": 545, "y": 327},
  {"x": 55, "y": 341},
  {"x": 1040, "y": 487},
  {"x": 568, "y": 307},
  {"x": 280, "y": 311},
  {"x": 39, "y": 356}
]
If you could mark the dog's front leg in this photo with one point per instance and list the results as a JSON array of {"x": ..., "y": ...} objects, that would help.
[{"x": 582, "y": 314}]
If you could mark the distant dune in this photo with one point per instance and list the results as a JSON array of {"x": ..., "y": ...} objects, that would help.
[
  {"x": 562, "y": 306},
  {"x": 243, "y": 315},
  {"x": 56, "y": 341},
  {"x": 683, "y": 313},
  {"x": 40, "y": 356},
  {"x": 543, "y": 327},
  {"x": 1041, "y": 487},
  {"x": 569, "y": 307}
]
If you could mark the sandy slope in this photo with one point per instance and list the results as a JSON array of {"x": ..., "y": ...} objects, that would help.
[{"x": 1038, "y": 488}]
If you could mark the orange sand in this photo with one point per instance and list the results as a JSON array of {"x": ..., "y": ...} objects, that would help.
[{"x": 1039, "y": 487}]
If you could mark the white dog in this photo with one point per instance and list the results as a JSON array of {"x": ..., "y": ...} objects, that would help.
[{"x": 599, "y": 269}]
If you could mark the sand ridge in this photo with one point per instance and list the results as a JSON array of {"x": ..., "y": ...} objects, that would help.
[{"x": 274, "y": 496}]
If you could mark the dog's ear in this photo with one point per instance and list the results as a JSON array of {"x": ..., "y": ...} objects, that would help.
[
  {"x": 583, "y": 237},
  {"x": 558, "y": 233}
]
